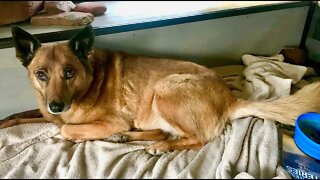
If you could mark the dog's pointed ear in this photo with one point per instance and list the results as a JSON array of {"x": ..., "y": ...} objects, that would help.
[
  {"x": 25, "y": 45},
  {"x": 82, "y": 42}
]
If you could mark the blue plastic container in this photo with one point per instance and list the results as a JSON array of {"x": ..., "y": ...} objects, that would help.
[{"x": 307, "y": 134}]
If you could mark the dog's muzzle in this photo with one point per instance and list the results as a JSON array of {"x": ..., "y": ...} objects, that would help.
[{"x": 57, "y": 107}]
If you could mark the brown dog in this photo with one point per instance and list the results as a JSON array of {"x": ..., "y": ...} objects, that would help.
[{"x": 98, "y": 94}]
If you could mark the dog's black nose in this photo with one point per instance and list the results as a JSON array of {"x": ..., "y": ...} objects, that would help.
[{"x": 56, "y": 107}]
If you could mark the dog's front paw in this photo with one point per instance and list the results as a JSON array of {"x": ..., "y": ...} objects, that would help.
[
  {"x": 73, "y": 139},
  {"x": 158, "y": 148},
  {"x": 65, "y": 133},
  {"x": 119, "y": 138},
  {"x": 77, "y": 140},
  {"x": 69, "y": 138}
]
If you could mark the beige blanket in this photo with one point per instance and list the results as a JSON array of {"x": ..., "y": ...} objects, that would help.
[{"x": 248, "y": 148}]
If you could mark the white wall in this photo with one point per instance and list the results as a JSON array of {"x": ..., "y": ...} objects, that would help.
[
  {"x": 218, "y": 41},
  {"x": 16, "y": 93}
]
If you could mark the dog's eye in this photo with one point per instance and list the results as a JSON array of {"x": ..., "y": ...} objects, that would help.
[
  {"x": 68, "y": 74},
  {"x": 42, "y": 76}
]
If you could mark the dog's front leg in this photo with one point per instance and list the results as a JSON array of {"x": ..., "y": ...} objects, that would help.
[
  {"x": 31, "y": 116},
  {"x": 92, "y": 131},
  {"x": 13, "y": 122}
]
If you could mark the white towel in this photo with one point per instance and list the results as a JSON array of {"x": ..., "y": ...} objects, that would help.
[{"x": 269, "y": 78}]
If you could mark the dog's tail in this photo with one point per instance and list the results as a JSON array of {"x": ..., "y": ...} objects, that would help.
[{"x": 284, "y": 110}]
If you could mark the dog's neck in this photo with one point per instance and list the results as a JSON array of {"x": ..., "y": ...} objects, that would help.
[{"x": 97, "y": 67}]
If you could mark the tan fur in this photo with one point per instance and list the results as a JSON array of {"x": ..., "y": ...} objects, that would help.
[
  {"x": 121, "y": 97},
  {"x": 284, "y": 110}
]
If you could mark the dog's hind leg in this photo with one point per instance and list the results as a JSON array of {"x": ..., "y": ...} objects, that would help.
[
  {"x": 194, "y": 105},
  {"x": 162, "y": 147},
  {"x": 146, "y": 135}
]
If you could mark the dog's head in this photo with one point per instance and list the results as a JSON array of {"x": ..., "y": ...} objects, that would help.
[{"x": 60, "y": 72}]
